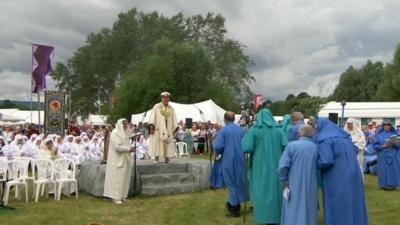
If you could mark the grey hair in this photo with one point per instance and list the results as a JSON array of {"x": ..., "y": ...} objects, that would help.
[
  {"x": 297, "y": 116},
  {"x": 306, "y": 131}
]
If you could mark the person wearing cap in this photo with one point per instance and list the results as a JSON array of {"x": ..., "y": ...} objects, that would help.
[
  {"x": 387, "y": 149},
  {"x": 353, "y": 128},
  {"x": 163, "y": 118}
]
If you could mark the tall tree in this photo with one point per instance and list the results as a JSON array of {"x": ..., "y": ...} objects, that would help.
[
  {"x": 389, "y": 88},
  {"x": 108, "y": 57},
  {"x": 359, "y": 85}
]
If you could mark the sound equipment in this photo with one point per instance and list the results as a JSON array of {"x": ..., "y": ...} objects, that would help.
[
  {"x": 334, "y": 118},
  {"x": 188, "y": 123}
]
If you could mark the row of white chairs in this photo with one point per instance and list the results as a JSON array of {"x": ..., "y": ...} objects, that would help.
[{"x": 57, "y": 173}]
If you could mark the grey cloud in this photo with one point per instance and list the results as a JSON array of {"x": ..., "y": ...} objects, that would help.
[{"x": 301, "y": 45}]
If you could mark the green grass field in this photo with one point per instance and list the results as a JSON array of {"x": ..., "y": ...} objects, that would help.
[{"x": 205, "y": 207}]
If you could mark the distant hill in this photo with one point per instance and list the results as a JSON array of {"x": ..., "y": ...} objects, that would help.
[{"x": 23, "y": 105}]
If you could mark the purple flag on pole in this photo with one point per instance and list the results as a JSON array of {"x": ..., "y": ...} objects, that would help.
[{"x": 41, "y": 66}]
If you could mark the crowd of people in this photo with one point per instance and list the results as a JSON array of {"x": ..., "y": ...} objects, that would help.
[
  {"x": 287, "y": 161},
  {"x": 287, "y": 164}
]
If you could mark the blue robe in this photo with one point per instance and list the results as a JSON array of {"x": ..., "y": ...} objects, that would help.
[
  {"x": 298, "y": 166},
  {"x": 294, "y": 131},
  {"x": 343, "y": 187},
  {"x": 233, "y": 165},
  {"x": 388, "y": 167},
  {"x": 216, "y": 178}
]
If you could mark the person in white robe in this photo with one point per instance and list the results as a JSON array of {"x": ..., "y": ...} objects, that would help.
[
  {"x": 34, "y": 148},
  {"x": 96, "y": 149},
  {"x": 358, "y": 137},
  {"x": 86, "y": 146},
  {"x": 66, "y": 148},
  {"x": 142, "y": 146},
  {"x": 119, "y": 163},
  {"x": 163, "y": 117},
  {"x": 77, "y": 151},
  {"x": 16, "y": 148}
]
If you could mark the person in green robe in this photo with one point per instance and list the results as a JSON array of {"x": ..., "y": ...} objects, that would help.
[
  {"x": 265, "y": 142},
  {"x": 286, "y": 124}
]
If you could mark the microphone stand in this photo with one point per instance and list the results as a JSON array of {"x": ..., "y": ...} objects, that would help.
[
  {"x": 134, "y": 141},
  {"x": 208, "y": 137}
]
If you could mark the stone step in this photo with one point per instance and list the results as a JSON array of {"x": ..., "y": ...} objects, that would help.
[
  {"x": 162, "y": 168},
  {"x": 151, "y": 190},
  {"x": 167, "y": 178}
]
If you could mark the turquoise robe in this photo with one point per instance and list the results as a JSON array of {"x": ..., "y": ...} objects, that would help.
[{"x": 265, "y": 142}]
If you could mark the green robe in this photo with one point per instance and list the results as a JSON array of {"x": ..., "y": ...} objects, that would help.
[{"x": 265, "y": 142}]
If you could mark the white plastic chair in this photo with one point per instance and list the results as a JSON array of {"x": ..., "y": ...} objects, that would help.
[
  {"x": 17, "y": 173},
  {"x": 3, "y": 173},
  {"x": 64, "y": 171},
  {"x": 44, "y": 174},
  {"x": 27, "y": 160},
  {"x": 182, "y": 149}
]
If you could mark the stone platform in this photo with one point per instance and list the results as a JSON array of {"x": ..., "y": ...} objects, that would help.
[{"x": 178, "y": 176}]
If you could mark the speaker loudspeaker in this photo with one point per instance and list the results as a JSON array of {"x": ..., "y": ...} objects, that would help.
[
  {"x": 188, "y": 123},
  {"x": 334, "y": 118}
]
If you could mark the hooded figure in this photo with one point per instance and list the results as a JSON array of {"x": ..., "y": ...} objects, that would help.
[
  {"x": 357, "y": 135},
  {"x": 388, "y": 166},
  {"x": 119, "y": 164},
  {"x": 286, "y": 124},
  {"x": 265, "y": 142},
  {"x": 343, "y": 188}
]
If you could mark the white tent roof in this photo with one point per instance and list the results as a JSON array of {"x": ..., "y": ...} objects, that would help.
[
  {"x": 210, "y": 111},
  {"x": 97, "y": 120},
  {"x": 23, "y": 115},
  {"x": 363, "y": 109}
]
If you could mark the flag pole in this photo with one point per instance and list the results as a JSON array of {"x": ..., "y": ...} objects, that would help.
[
  {"x": 32, "y": 85},
  {"x": 39, "y": 108}
]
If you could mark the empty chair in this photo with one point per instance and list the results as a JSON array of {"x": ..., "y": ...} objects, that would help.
[
  {"x": 44, "y": 174},
  {"x": 28, "y": 161},
  {"x": 64, "y": 173},
  {"x": 182, "y": 149},
  {"x": 17, "y": 173}
]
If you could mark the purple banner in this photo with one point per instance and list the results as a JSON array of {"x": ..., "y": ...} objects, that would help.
[{"x": 41, "y": 66}]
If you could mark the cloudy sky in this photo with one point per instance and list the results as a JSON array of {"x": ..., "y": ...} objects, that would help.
[{"x": 297, "y": 45}]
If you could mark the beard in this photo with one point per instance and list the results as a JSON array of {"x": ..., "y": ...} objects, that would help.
[{"x": 127, "y": 132}]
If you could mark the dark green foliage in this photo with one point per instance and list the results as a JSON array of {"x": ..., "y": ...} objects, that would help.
[{"x": 142, "y": 46}]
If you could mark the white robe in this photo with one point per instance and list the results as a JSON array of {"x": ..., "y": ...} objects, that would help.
[
  {"x": 163, "y": 140},
  {"x": 359, "y": 140},
  {"x": 119, "y": 165},
  {"x": 96, "y": 151}
]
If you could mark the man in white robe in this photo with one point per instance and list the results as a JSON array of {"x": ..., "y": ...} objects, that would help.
[
  {"x": 163, "y": 118},
  {"x": 358, "y": 138},
  {"x": 119, "y": 163}
]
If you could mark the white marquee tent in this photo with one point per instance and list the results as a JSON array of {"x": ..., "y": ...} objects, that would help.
[
  {"x": 210, "y": 111},
  {"x": 364, "y": 111},
  {"x": 22, "y": 116}
]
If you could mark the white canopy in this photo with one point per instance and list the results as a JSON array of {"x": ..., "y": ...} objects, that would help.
[
  {"x": 97, "y": 120},
  {"x": 22, "y": 116},
  {"x": 202, "y": 111},
  {"x": 363, "y": 109}
]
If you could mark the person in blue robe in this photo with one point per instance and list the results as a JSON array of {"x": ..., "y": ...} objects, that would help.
[
  {"x": 298, "y": 172},
  {"x": 342, "y": 183},
  {"x": 233, "y": 166},
  {"x": 297, "y": 121},
  {"x": 388, "y": 167},
  {"x": 216, "y": 178}
]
